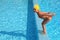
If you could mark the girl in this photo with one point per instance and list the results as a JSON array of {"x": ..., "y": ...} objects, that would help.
[{"x": 46, "y": 16}]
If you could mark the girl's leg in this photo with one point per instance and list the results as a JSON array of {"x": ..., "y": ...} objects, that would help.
[
  {"x": 43, "y": 25},
  {"x": 50, "y": 14}
]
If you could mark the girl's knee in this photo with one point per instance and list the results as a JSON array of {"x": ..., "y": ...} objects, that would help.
[
  {"x": 43, "y": 23},
  {"x": 49, "y": 18}
]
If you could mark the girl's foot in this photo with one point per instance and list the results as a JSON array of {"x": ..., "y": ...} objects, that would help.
[
  {"x": 44, "y": 32},
  {"x": 53, "y": 14}
]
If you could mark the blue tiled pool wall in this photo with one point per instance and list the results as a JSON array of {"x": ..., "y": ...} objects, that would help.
[
  {"x": 32, "y": 31},
  {"x": 13, "y": 19},
  {"x": 52, "y": 27}
]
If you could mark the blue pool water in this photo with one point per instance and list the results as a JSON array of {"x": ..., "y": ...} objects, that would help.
[
  {"x": 19, "y": 22},
  {"x": 53, "y": 27},
  {"x": 13, "y": 19}
]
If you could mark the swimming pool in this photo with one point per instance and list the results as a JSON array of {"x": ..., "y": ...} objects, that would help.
[{"x": 18, "y": 21}]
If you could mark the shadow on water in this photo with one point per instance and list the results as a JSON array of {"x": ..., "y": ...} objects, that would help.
[
  {"x": 32, "y": 33},
  {"x": 12, "y": 33}
]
